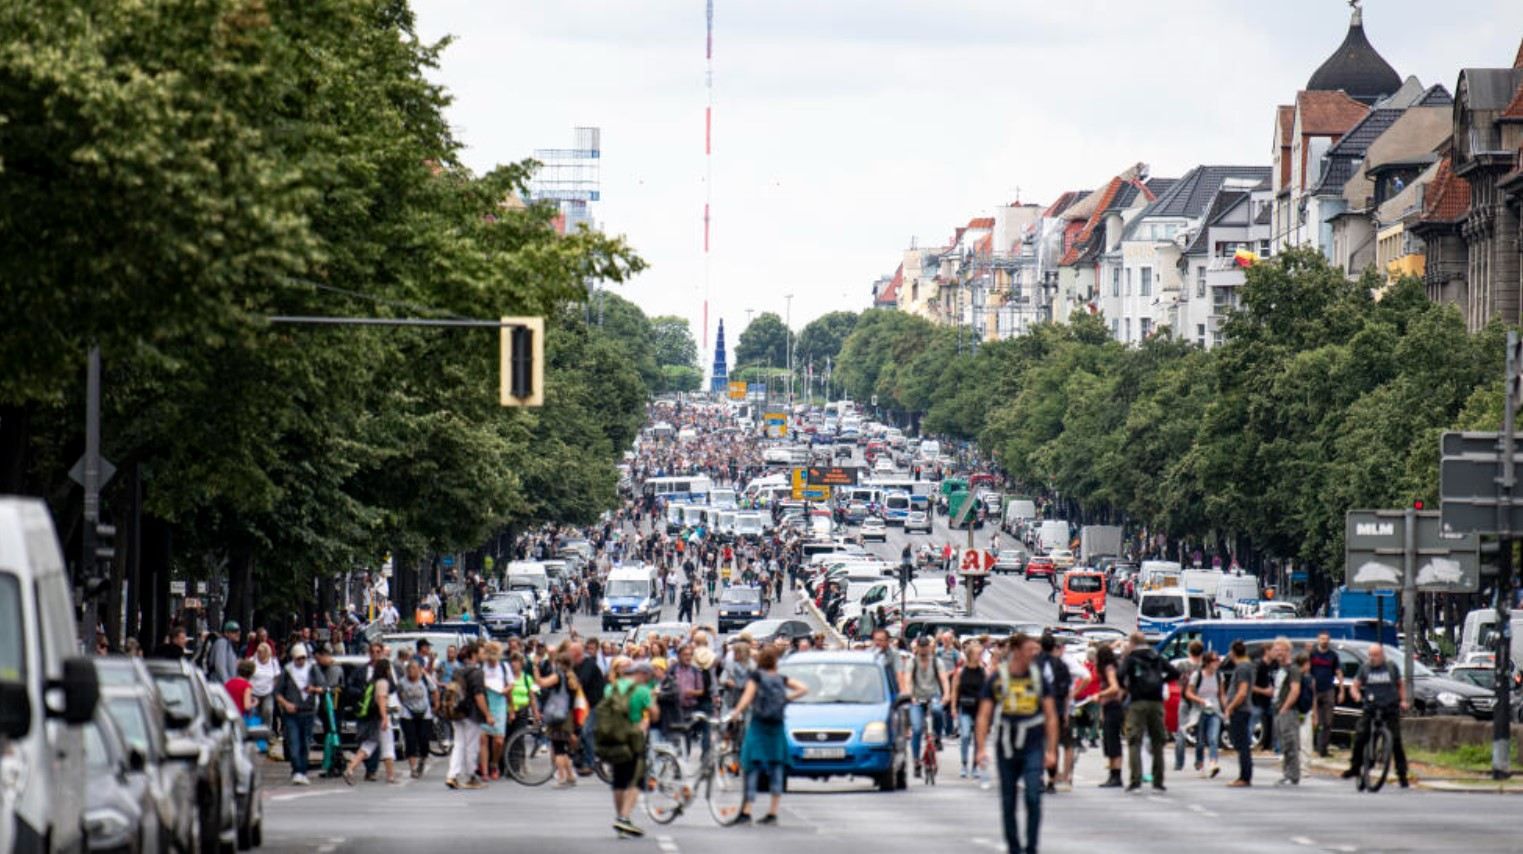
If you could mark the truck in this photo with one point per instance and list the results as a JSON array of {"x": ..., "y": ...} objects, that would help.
[
  {"x": 1097, "y": 541},
  {"x": 1018, "y": 509},
  {"x": 1348, "y": 604}
]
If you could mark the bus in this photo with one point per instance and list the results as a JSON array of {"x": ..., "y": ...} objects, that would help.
[{"x": 683, "y": 488}]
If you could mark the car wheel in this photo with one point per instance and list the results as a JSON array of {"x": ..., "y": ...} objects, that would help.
[{"x": 885, "y": 781}]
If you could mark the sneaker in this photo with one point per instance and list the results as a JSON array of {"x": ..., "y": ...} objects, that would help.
[
  {"x": 1215, "y": 769},
  {"x": 451, "y": 783},
  {"x": 769, "y": 818},
  {"x": 473, "y": 783},
  {"x": 627, "y": 828},
  {"x": 1050, "y": 788},
  {"x": 1348, "y": 774},
  {"x": 1159, "y": 787},
  {"x": 1286, "y": 781},
  {"x": 1132, "y": 787},
  {"x": 300, "y": 780},
  {"x": 963, "y": 773},
  {"x": 917, "y": 770},
  {"x": 1404, "y": 784},
  {"x": 1112, "y": 783},
  {"x": 480, "y": 783},
  {"x": 1239, "y": 784},
  {"x": 743, "y": 818},
  {"x": 370, "y": 776},
  {"x": 349, "y": 777}
]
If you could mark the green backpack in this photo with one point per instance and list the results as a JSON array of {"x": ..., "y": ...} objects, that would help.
[{"x": 615, "y": 738}]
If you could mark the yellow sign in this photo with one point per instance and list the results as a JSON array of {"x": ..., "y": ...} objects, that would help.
[
  {"x": 737, "y": 391},
  {"x": 802, "y": 491},
  {"x": 777, "y": 425}
]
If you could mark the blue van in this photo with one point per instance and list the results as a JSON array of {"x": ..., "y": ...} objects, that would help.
[
  {"x": 1219, "y": 634},
  {"x": 850, "y": 724}
]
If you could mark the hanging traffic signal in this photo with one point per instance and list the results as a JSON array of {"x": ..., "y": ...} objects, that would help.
[{"x": 522, "y": 357}]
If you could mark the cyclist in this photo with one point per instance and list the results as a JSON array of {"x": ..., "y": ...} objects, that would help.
[
  {"x": 1381, "y": 681},
  {"x": 1015, "y": 705},
  {"x": 928, "y": 687}
]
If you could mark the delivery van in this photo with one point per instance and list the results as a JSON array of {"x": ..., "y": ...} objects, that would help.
[{"x": 1082, "y": 590}]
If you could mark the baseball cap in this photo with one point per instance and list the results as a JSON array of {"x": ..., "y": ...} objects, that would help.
[
  {"x": 298, "y": 650},
  {"x": 231, "y": 626}
]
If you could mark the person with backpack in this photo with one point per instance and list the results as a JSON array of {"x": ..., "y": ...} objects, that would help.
[
  {"x": 928, "y": 687},
  {"x": 765, "y": 748},
  {"x": 1112, "y": 712},
  {"x": 1059, "y": 679},
  {"x": 374, "y": 725},
  {"x": 495, "y": 679},
  {"x": 1189, "y": 713},
  {"x": 1143, "y": 674},
  {"x": 1287, "y": 715},
  {"x": 967, "y": 688},
  {"x": 466, "y": 705},
  {"x": 297, "y": 693},
  {"x": 1204, "y": 691},
  {"x": 560, "y": 690},
  {"x": 620, "y": 725},
  {"x": 1015, "y": 705}
]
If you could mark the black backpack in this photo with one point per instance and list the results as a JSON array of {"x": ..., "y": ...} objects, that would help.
[
  {"x": 1308, "y": 696},
  {"x": 1144, "y": 677},
  {"x": 1062, "y": 679}
]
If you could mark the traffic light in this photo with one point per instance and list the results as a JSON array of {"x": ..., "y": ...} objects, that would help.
[{"x": 522, "y": 355}]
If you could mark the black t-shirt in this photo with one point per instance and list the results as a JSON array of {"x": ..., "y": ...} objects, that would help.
[
  {"x": 1263, "y": 677},
  {"x": 1380, "y": 684},
  {"x": 592, "y": 680},
  {"x": 970, "y": 687}
]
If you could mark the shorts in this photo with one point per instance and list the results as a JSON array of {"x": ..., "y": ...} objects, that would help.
[
  {"x": 1066, "y": 730},
  {"x": 380, "y": 741},
  {"x": 622, "y": 774},
  {"x": 560, "y": 742},
  {"x": 1112, "y": 715}
]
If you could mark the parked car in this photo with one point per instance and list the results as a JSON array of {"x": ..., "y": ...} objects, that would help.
[
  {"x": 1040, "y": 566},
  {"x": 120, "y": 815},
  {"x": 739, "y": 605},
  {"x": 245, "y": 770},
  {"x": 917, "y": 520},
  {"x": 873, "y": 528},
  {"x": 189, "y": 716},
  {"x": 506, "y": 615},
  {"x": 128, "y": 695},
  {"x": 849, "y": 724},
  {"x": 1010, "y": 560},
  {"x": 1061, "y": 558},
  {"x": 769, "y": 630}
]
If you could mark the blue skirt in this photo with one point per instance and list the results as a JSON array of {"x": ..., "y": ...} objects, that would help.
[
  {"x": 765, "y": 744},
  {"x": 498, "y": 704}
]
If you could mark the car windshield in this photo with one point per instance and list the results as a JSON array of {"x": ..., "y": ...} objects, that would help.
[
  {"x": 1009, "y": 554},
  {"x": 764, "y": 628},
  {"x": 629, "y": 587},
  {"x": 129, "y": 718},
  {"x": 115, "y": 674},
  {"x": 175, "y": 692},
  {"x": 1162, "y": 607},
  {"x": 1481, "y": 677},
  {"x": 741, "y": 594},
  {"x": 503, "y": 605},
  {"x": 832, "y": 682},
  {"x": 96, "y": 758},
  {"x": 1084, "y": 583}
]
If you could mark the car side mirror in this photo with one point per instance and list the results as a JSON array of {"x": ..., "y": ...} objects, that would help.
[
  {"x": 81, "y": 691},
  {"x": 136, "y": 760},
  {"x": 217, "y": 714},
  {"x": 176, "y": 721},
  {"x": 15, "y": 710}
]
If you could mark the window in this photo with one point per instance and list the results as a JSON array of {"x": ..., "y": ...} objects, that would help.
[
  {"x": 1263, "y": 249},
  {"x": 1115, "y": 328},
  {"x": 1129, "y": 281},
  {"x": 1116, "y": 281},
  {"x": 1128, "y": 330},
  {"x": 1200, "y": 280},
  {"x": 1145, "y": 327},
  {"x": 1200, "y": 335},
  {"x": 1147, "y": 281}
]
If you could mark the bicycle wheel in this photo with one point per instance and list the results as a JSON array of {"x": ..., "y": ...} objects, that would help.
[
  {"x": 928, "y": 761},
  {"x": 662, "y": 788},
  {"x": 603, "y": 770},
  {"x": 529, "y": 758},
  {"x": 1377, "y": 759},
  {"x": 725, "y": 788}
]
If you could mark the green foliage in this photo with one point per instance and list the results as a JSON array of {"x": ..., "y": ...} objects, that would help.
[
  {"x": 175, "y": 173},
  {"x": 763, "y": 342},
  {"x": 1321, "y": 400},
  {"x": 672, "y": 339},
  {"x": 823, "y": 337}
]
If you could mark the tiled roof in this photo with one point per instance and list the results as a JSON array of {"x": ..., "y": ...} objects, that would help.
[
  {"x": 1490, "y": 88},
  {"x": 1436, "y": 96},
  {"x": 1104, "y": 198},
  {"x": 1448, "y": 197},
  {"x": 890, "y": 293},
  {"x": 981, "y": 222},
  {"x": 1286, "y": 113},
  {"x": 1514, "y": 108},
  {"x": 1190, "y": 196},
  {"x": 985, "y": 245},
  {"x": 1350, "y": 149},
  {"x": 1064, "y": 202},
  {"x": 1221, "y": 204},
  {"x": 1328, "y": 113}
]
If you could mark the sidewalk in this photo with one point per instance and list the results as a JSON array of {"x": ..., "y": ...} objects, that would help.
[{"x": 1431, "y": 777}]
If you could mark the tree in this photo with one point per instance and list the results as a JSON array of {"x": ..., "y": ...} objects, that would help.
[
  {"x": 821, "y": 338},
  {"x": 764, "y": 341},
  {"x": 673, "y": 342}
]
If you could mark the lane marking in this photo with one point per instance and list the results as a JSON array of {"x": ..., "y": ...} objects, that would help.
[
  {"x": 985, "y": 842},
  {"x": 1304, "y": 840},
  {"x": 1203, "y": 811},
  {"x": 298, "y": 795},
  {"x": 667, "y": 844}
]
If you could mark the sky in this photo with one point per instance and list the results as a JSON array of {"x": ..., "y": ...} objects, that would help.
[{"x": 846, "y": 129}]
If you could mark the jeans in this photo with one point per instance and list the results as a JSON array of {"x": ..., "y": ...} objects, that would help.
[
  {"x": 1322, "y": 716},
  {"x": 298, "y": 741},
  {"x": 775, "y": 776},
  {"x": 1145, "y": 717},
  {"x": 965, "y": 722},
  {"x": 1021, "y": 767},
  {"x": 1208, "y": 734},
  {"x": 589, "y": 759},
  {"x": 917, "y": 723},
  {"x": 1179, "y": 740},
  {"x": 465, "y": 754},
  {"x": 1242, "y": 735}
]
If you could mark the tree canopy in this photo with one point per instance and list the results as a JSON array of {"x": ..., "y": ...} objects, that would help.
[{"x": 764, "y": 341}]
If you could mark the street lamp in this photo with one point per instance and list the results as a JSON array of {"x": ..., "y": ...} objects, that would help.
[{"x": 788, "y": 324}]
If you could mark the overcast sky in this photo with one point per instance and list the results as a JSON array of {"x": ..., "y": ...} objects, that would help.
[{"x": 845, "y": 128}]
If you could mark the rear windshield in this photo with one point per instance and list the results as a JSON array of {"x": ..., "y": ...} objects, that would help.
[
  {"x": 1084, "y": 583},
  {"x": 1162, "y": 607}
]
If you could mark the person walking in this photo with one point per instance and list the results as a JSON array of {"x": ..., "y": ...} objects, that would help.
[
  {"x": 624, "y": 718},
  {"x": 1189, "y": 713},
  {"x": 1287, "y": 720},
  {"x": 222, "y": 658},
  {"x": 1143, "y": 674},
  {"x": 928, "y": 685},
  {"x": 560, "y": 690},
  {"x": 1112, "y": 713},
  {"x": 374, "y": 724},
  {"x": 1059, "y": 680},
  {"x": 266, "y": 671},
  {"x": 417, "y": 694},
  {"x": 765, "y": 748},
  {"x": 1326, "y": 675},
  {"x": 590, "y": 676},
  {"x": 1016, "y": 693},
  {"x": 470, "y": 714},
  {"x": 297, "y": 694},
  {"x": 495, "y": 678},
  {"x": 1238, "y": 710},
  {"x": 1204, "y": 692},
  {"x": 967, "y": 690}
]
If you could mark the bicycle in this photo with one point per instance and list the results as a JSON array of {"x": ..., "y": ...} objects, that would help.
[
  {"x": 719, "y": 776},
  {"x": 528, "y": 755},
  {"x": 1377, "y": 752},
  {"x": 928, "y": 753}
]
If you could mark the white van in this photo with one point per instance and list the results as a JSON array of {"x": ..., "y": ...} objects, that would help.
[
  {"x": 1018, "y": 510},
  {"x": 1159, "y": 574},
  {"x": 47, "y": 693},
  {"x": 1053, "y": 534},
  {"x": 1479, "y": 633},
  {"x": 723, "y": 498},
  {"x": 749, "y": 525},
  {"x": 929, "y": 451},
  {"x": 525, "y": 574},
  {"x": 1233, "y": 588},
  {"x": 1159, "y": 611},
  {"x": 1205, "y": 581}
]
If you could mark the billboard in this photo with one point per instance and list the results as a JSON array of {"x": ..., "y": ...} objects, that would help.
[
  {"x": 831, "y": 476},
  {"x": 737, "y": 390},
  {"x": 777, "y": 425}
]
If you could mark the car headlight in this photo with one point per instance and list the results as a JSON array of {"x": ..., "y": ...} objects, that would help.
[
  {"x": 104, "y": 825},
  {"x": 1448, "y": 698},
  {"x": 756, "y": 613},
  {"x": 875, "y": 733}
]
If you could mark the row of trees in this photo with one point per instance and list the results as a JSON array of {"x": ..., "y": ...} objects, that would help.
[
  {"x": 761, "y": 351},
  {"x": 174, "y": 175},
  {"x": 1321, "y": 399}
]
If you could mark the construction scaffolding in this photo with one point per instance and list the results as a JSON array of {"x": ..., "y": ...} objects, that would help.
[{"x": 571, "y": 177}]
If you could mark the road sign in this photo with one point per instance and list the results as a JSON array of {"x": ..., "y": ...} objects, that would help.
[
  {"x": 815, "y": 493},
  {"x": 77, "y": 471},
  {"x": 777, "y": 425},
  {"x": 737, "y": 390},
  {"x": 975, "y": 562},
  {"x": 964, "y": 510},
  {"x": 191, "y": 603},
  {"x": 176, "y": 588},
  {"x": 447, "y": 560},
  {"x": 1470, "y": 473},
  {"x": 1375, "y": 546},
  {"x": 831, "y": 476}
]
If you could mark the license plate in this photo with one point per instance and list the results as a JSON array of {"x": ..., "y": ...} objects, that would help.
[{"x": 824, "y": 753}]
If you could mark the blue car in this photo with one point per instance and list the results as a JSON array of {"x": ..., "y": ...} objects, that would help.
[{"x": 850, "y": 724}]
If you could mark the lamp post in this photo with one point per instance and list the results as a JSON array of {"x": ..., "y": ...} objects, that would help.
[{"x": 788, "y": 339}]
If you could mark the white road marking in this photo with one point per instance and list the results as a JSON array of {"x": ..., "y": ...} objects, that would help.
[
  {"x": 298, "y": 795},
  {"x": 1304, "y": 840},
  {"x": 1203, "y": 811},
  {"x": 667, "y": 844},
  {"x": 985, "y": 842}
]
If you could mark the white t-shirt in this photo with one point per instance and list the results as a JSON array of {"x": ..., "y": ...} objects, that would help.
[
  {"x": 264, "y": 676},
  {"x": 497, "y": 678}
]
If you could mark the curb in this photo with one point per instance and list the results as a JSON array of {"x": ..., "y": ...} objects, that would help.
[{"x": 1478, "y": 786}]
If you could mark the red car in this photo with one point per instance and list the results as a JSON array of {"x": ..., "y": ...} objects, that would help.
[{"x": 1040, "y": 566}]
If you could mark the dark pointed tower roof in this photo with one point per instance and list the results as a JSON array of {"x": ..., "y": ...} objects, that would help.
[
  {"x": 720, "y": 377},
  {"x": 1356, "y": 67}
]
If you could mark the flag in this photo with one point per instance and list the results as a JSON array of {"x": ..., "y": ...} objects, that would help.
[{"x": 1245, "y": 258}]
